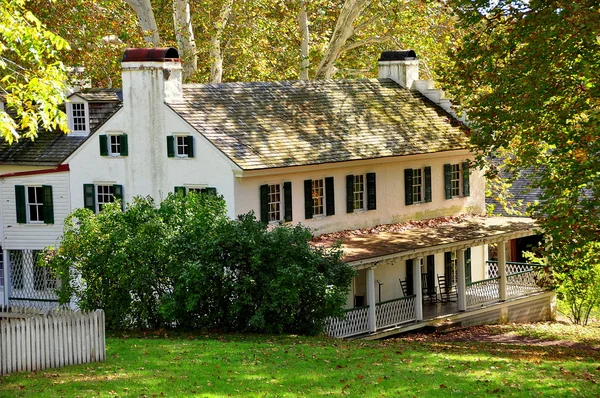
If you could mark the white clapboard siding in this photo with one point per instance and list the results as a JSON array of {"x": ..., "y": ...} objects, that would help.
[
  {"x": 34, "y": 236},
  {"x": 31, "y": 341}
]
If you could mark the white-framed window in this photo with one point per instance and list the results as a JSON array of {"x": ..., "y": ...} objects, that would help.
[
  {"x": 114, "y": 144},
  {"x": 275, "y": 202},
  {"x": 359, "y": 192},
  {"x": 78, "y": 114},
  {"x": 318, "y": 197},
  {"x": 182, "y": 146},
  {"x": 35, "y": 204},
  {"x": 104, "y": 195},
  {"x": 455, "y": 180},
  {"x": 417, "y": 185}
]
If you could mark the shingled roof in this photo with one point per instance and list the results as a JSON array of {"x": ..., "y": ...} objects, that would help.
[{"x": 294, "y": 123}]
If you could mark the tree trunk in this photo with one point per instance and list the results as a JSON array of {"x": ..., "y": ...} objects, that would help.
[
  {"x": 145, "y": 15},
  {"x": 184, "y": 33},
  {"x": 303, "y": 24},
  {"x": 344, "y": 28},
  {"x": 216, "y": 57}
]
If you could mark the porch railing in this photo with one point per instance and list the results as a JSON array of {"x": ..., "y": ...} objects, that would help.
[
  {"x": 512, "y": 267},
  {"x": 394, "y": 312},
  {"x": 354, "y": 321},
  {"x": 482, "y": 292},
  {"x": 521, "y": 283}
]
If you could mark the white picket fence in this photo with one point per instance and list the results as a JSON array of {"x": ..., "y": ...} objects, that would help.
[{"x": 31, "y": 339}]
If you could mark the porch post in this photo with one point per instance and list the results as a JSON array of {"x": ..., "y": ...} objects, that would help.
[
  {"x": 418, "y": 288},
  {"x": 461, "y": 284},
  {"x": 371, "y": 299},
  {"x": 502, "y": 270}
]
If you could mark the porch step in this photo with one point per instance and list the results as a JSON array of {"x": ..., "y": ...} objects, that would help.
[{"x": 444, "y": 327}]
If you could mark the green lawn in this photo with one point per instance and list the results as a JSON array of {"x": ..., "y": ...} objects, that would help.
[{"x": 289, "y": 366}]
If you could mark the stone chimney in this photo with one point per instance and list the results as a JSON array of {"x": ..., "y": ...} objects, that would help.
[
  {"x": 400, "y": 66},
  {"x": 151, "y": 75}
]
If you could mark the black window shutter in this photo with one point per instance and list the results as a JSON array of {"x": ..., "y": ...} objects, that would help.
[
  {"x": 410, "y": 286},
  {"x": 428, "y": 184},
  {"x": 349, "y": 193},
  {"x": 103, "y": 145},
  {"x": 448, "y": 269},
  {"x": 264, "y": 203},
  {"x": 447, "y": 181},
  {"x": 287, "y": 200},
  {"x": 329, "y": 197},
  {"x": 124, "y": 145},
  {"x": 408, "y": 186},
  {"x": 371, "y": 192},
  {"x": 118, "y": 194},
  {"x": 189, "y": 141},
  {"x": 48, "y": 204},
  {"x": 180, "y": 190},
  {"x": 308, "y": 200},
  {"x": 468, "y": 265},
  {"x": 21, "y": 204},
  {"x": 89, "y": 197},
  {"x": 170, "y": 146},
  {"x": 465, "y": 176},
  {"x": 431, "y": 274}
]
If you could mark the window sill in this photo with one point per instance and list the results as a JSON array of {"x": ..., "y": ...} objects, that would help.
[{"x": 359, "y": 211}]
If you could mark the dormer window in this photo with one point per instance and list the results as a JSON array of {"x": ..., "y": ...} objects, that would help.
[{"x": 78, "y": 113}]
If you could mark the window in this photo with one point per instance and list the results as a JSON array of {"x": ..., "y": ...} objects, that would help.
[
  {"x": 113, "y": 145},
  {"x": 360, "y": 192},
  {"x": 78, "y": 117},
  {"x": 183, "y": 190},
  {"x": 319, "y": 197},
  {"x": 450, "y": 267},
  {"x": 456, "y": 180},
  {"x": 417, "y": 185},
  {"x": 276, "y": 202},
  {"x": 34, "y": 204},
  {"x": 95, "y": 197},
  {"x": 181, "y": 146}
]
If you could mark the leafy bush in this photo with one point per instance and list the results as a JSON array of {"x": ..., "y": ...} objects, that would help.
[{"x": 184, "y": 263}]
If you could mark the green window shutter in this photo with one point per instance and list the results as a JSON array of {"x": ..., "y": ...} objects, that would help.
[
  {"x": 428, "y": 184},
  {"x": 124, "y": 145},
  {"x": 211, "y": 191},
  {"x": 448, "y": 269},
  {"x": 21, "y": 204},
  {"x": 465, "y": 178},
  {"x": 189, "y": 141},
  {"x": 410, "y": 286},
  {"x": 264, "y": 203},
  {"x": 431, "y": 274},
  {"x": 308, "y": 200},
  {"x": 170, "y": 146},
  {"x": 89, "y": 197},
  {"x": 349, "y": 194},
  {"x": 468, "y": 265},
  {"x": 408, "y": 187},
  {"x": 179, "y": 190},
  {"x": 371, "y": 192},
  {"x": 287, "y": 200},
  {"x": 118, "y": 194},
  {"x": 329, "y": 197},
  {"x": 103, "y": 145},
  {"x": 48, "y": 204},
  {"x": 447, "y": 181}
]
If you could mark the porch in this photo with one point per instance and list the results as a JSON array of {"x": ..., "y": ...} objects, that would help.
[{"x": 477, "y": 292}]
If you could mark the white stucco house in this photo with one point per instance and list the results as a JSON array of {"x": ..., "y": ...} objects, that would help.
[{"x": 333, "y": 155}]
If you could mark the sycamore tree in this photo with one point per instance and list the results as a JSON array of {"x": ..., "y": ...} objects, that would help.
[
  {"x": 32, "y": 77},
  {"x": 527, "y": 74}
]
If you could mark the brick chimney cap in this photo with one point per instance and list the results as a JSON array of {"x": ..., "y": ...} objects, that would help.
[
  {"x": 398, "y": 55},
  {"x": 151, "y": 54}
]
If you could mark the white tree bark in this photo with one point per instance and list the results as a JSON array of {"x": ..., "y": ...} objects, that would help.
[
  {"x": 344, "y": 28},
  {"x": 184, "y": 34},
  {"x": 303, "y": 24},
  {"x": 216, "y": 57},
  {"x": 145, "y": 15}
]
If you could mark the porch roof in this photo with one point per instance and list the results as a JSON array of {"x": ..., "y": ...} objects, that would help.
[{"x": 363, "y": 248}]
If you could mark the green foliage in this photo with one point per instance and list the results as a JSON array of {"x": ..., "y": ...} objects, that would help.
[
  {"x": 31, "y": 75},
  {"x": 184, "y": 263},
  {"x": 527, "y": 74}
]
